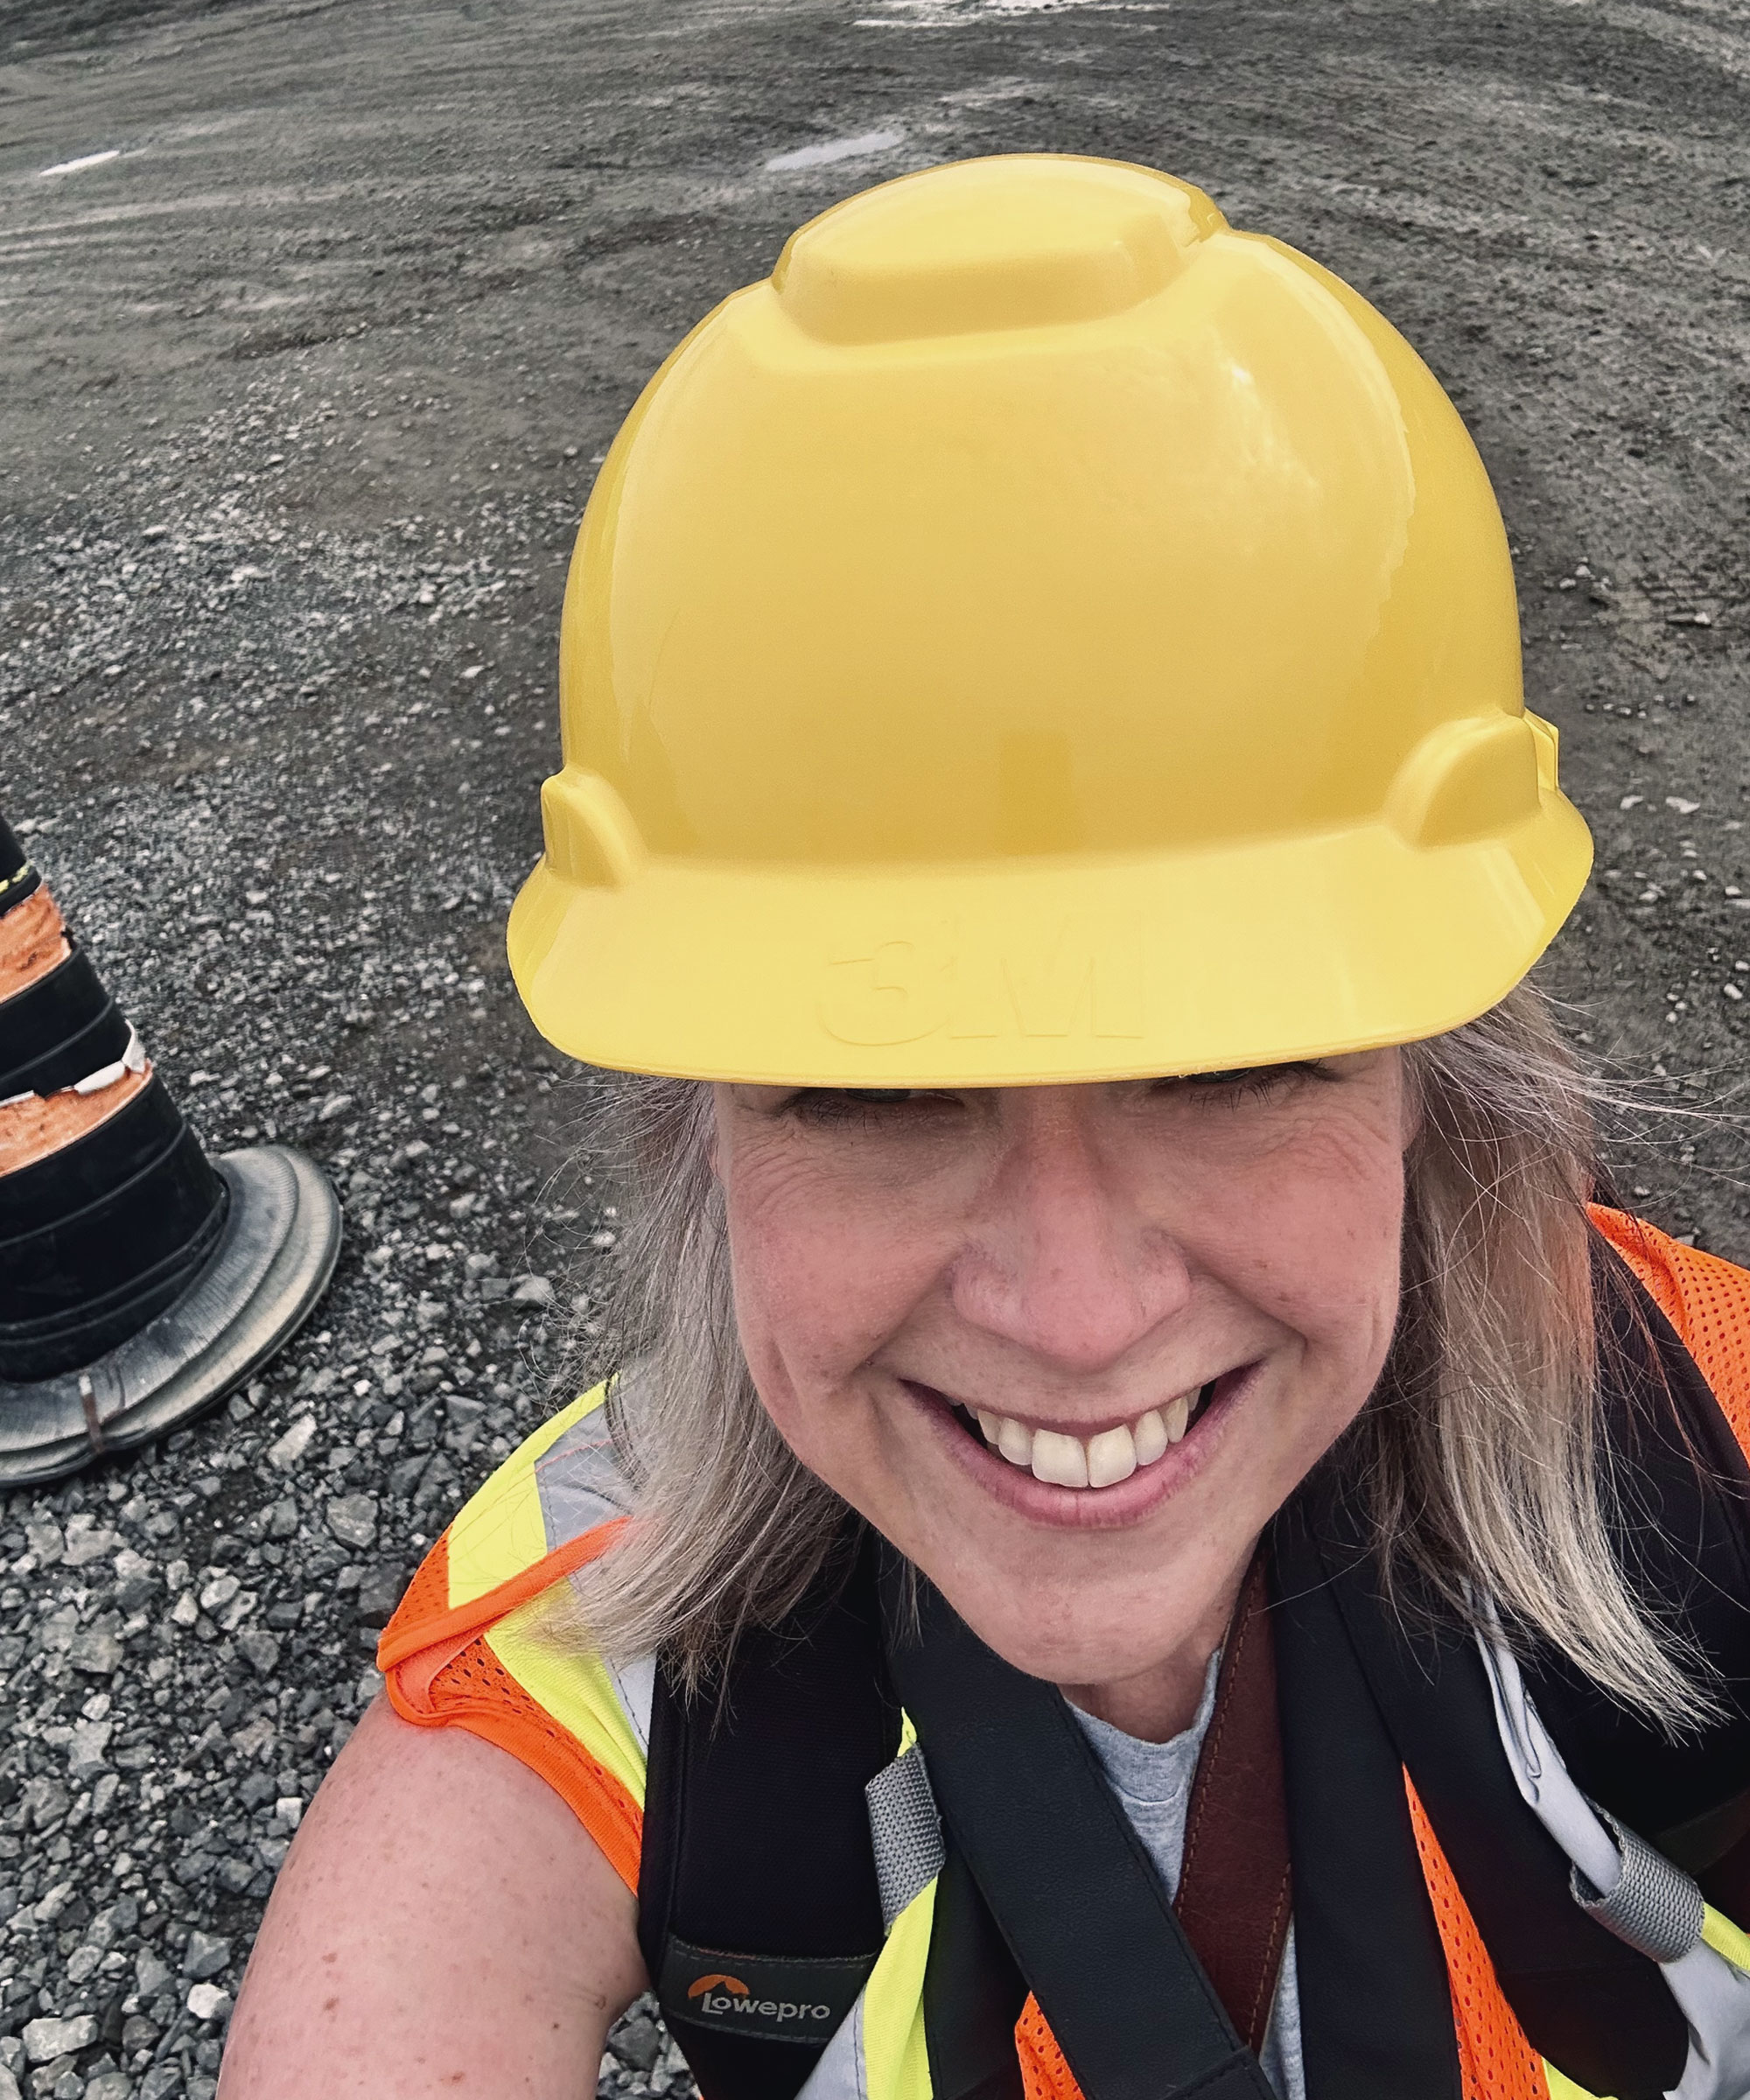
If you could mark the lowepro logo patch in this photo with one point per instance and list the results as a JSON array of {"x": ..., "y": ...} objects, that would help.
[
  {"x": 725, "y": 1997},
  {"x": 778, "y": 1999}
]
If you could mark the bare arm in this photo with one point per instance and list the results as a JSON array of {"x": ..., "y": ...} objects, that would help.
[{"x": 442, "y": 1923}]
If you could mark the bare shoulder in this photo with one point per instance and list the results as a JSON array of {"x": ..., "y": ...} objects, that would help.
[{"x": 443, "y": 1922}]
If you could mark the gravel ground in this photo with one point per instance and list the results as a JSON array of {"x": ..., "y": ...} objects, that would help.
[{"x": 304, "y": 388}]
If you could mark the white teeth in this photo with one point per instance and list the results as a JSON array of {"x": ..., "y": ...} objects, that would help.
[
  {"x": 1111, "y": 1457},
  {"x": 1016, "y": 1443},
  {"x": 1104, "y": 1460},
  {"x": 1058, "y": 1458}
]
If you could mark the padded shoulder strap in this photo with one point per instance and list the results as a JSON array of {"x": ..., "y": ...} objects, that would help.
[
  {"x": 760, "y": 1914},
  {"x": 1680, "y": 1516},
  {"x": 1674, "y": 1406},
  {"x": 1066, "y": 1879},
  {"x": 1375, "y": 1997},
  {"x": 973, "y": 1994},
  {"x": 1596, "y": 2009}
]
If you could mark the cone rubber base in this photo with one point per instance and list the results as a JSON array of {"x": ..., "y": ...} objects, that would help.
[{"x": 275, "y": 1256}]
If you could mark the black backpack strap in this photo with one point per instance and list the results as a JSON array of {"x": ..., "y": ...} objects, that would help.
[
  {"x": 760, "y": 1916},
  {"x": 1375, "y": 2002},
  {"x": 973, "y": 1994},
  {"x": 1682, "y": 1527},
  {"x": 1597, "y": 2010},
  {"x": 1068, "y": 1882}
]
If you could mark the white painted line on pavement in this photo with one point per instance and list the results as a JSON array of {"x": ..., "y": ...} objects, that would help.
[
  {"x": 86, "y": 160},
  {"x": 839, "y": 149}
]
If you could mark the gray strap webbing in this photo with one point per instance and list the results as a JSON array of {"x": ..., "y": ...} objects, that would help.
[
  {"x": 1655, "y": 1907},
  {"x": 907, "y": 1833}
]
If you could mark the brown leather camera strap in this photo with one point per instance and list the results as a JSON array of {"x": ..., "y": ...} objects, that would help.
[{"x": 1234, "y": 1891}]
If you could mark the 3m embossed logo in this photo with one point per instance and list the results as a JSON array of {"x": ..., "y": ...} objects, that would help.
[{"x": 899, "y": 983}]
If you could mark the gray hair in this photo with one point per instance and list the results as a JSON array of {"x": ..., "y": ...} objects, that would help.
[{"x": 1479, "y": 1455}]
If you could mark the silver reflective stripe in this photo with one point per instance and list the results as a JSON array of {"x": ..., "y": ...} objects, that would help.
[
  {"x": 581, "y": 1481},
  {"x": 1542, "y": 1780},
  {"x": 1713, "y": 1994},
  {"x": 635, "y": 1684},
  {"x": 1715, "y": 1998},
  {"x": 1655, "y": 1907},
  {"x": 907, "y": 1833},
  {"x": 840, "y": 2074}
]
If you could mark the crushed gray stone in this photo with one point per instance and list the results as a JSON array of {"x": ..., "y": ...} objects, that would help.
[{"x": 641, "y": 2057}]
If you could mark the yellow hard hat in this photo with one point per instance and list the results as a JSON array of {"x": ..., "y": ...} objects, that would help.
[{"x": 1039, "y": 634}]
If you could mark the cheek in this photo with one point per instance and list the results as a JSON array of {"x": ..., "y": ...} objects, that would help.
[
  {"x": 819, "y": 1283},
  {"x": 1322, "y": 1252}
]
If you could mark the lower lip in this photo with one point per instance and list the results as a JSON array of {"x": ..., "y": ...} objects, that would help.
[{"x": 1087, "y": 1508}]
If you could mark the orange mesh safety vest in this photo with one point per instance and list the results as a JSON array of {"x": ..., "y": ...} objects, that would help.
[{"x": 472, "y": 1646}]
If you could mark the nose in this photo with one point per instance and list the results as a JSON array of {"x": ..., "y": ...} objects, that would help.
[{"x": 1060, "y": 1259}]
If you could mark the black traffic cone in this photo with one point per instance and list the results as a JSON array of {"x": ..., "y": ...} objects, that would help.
[{"x": 139, "y": 1282}]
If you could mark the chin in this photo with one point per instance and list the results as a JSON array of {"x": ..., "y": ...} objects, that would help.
[{"x": 1073, "y": 1633}]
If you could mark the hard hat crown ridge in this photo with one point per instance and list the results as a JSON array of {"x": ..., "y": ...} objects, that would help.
[
  {"x": 1041, "y": 632},
  {"x": 987, "y": 245}
]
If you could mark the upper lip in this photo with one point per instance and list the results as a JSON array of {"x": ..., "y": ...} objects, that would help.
[{"x": 1062, "y": 1424}]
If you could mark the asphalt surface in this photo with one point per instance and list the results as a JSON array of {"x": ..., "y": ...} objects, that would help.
[{"x": 304, "y": 387}]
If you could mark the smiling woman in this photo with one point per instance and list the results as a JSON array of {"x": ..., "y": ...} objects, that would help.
[
  {"x": 1158, "y": 1533},
  {"x": 1139, "y": 1292}
]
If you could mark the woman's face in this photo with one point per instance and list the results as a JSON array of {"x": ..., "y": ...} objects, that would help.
[{"x": 1070, "y": 1347}]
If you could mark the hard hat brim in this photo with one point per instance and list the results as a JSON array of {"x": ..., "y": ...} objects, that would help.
[{"x": 1044, "y": 971}]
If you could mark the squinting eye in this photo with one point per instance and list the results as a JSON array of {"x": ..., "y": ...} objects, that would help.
[
  {"x": 1249, "y": 1079},
  {"x": 860, "y": 1104}
]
